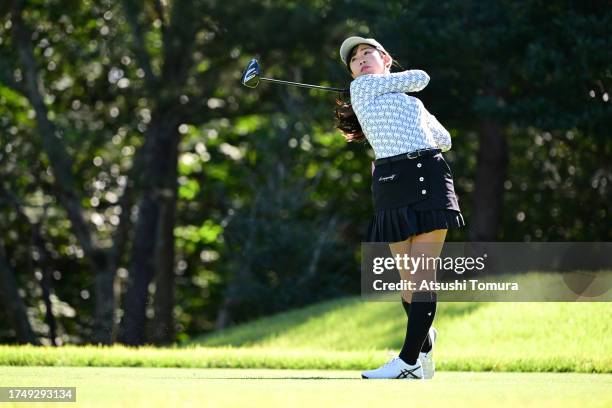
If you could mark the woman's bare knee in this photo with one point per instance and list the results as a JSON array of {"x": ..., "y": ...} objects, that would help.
[
  {"x": 407, "y": 296},
  {"x": 438, "y": 235}
]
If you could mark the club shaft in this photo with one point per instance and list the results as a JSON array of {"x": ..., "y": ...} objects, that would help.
[{"x": 324, "y": 88}]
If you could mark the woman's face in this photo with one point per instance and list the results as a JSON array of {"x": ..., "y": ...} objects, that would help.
[{"x": 365, "y": 59}]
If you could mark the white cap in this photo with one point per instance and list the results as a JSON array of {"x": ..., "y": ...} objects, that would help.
[{"x": 350, "y": 42}]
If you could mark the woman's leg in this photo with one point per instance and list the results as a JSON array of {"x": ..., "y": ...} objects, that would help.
[
  {"x": 400, "y": 248},
  {"x": 423, "y": 303}
]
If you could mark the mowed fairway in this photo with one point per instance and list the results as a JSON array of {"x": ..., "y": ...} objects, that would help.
[{"x": 174, "y": 387}]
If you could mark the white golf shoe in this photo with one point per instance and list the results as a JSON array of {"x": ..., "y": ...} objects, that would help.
[
  {"x": 429, "y": 367},
  {"x": 396, "y": 368}
]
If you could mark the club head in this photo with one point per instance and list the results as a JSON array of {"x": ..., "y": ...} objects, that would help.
[{"x": 250, "y": 76}]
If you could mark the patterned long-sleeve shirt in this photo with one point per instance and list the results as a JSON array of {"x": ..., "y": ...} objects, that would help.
[{"x": 393, "y": 122}]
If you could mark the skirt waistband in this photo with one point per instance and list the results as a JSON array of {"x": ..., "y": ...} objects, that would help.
[{"x": 410, "y": 155}]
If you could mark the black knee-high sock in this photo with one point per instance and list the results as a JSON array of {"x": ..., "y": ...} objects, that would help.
[
  {"x": 427, "y": 343},
  {"x": 421, "y": 313}
]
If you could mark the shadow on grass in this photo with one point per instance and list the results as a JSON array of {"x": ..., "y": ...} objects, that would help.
[
  {"x": 454, "y": 310},
  {"x": 259, "y": 330},
  {"x": 263, "y": 329},
  {"x": 392, "y": 335}
]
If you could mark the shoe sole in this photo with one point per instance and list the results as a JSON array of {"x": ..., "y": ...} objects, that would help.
[
  {"x": 433, "y": 370},
  {"x": 368, "y": 378},
  {"x": 427, "y": 373},
  {"x": 394, "y": 378}
]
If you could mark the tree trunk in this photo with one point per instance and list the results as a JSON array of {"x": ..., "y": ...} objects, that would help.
[
  {"x": 159, "y": 162},
  {"x": 12, "y": 303},
  {"x": 162, "y": 327},
  {"x": 46, "y": 283},
  {"x": 157, "y": 206},
  {"x": 104, "y": 306},
  {"x": 140, "y": 274},
  {"x": 489, "y": 188}
]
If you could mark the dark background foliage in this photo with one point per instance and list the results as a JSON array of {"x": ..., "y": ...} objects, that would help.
[{"x": 145, "y": 196}]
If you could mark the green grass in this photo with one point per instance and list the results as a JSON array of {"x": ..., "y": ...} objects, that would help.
[
  {"x": 350, "y": 334},
  {"x": 151, "y": 387},
  {"x": 473, "y": 336}
]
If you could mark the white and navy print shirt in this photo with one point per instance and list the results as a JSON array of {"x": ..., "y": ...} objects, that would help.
[{"x": 393, "y": 122}]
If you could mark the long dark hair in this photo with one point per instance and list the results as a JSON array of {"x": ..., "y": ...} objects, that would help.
[{"x": 346, "y": 120}]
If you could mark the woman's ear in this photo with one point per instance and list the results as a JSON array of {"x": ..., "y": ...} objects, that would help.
[{"x": 388, "y": 61}]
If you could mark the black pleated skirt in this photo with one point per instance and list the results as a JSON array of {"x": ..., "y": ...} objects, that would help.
[{"x": 411, "y": 197}]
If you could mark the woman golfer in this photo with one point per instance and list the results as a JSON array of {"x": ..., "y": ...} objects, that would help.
[{"x": 412, "y": 187}]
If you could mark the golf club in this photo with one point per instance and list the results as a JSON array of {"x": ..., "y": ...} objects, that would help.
[{"x": 252, "y": 75}]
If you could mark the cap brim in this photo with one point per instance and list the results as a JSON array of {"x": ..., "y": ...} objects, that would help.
[
  {"x": 348, "y": 45},
  {"x": 351, "y": 42}
]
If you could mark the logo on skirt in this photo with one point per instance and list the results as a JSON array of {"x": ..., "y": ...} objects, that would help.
[{"x": 387, "y": 179}]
